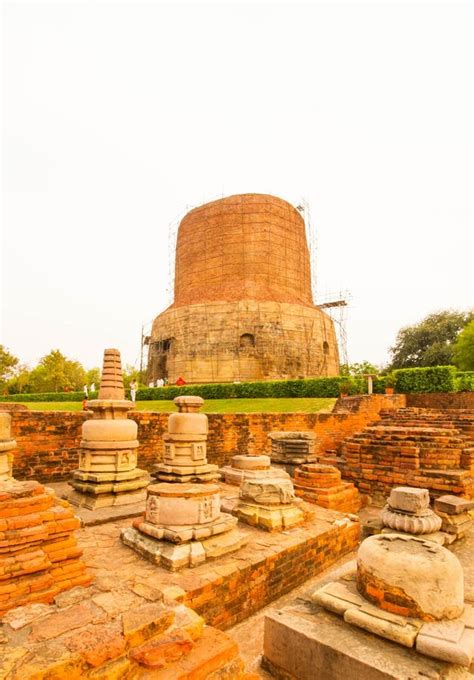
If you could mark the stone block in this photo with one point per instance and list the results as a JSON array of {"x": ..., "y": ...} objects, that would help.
[
  {"x": 409, "y": 499},
  {"x": 453, "y": 505}
]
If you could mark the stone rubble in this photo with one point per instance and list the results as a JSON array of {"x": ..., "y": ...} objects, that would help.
[{"x": 268, "y": 504}]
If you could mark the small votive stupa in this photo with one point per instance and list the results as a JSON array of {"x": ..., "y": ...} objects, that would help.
[
  {"x": 108, "y": 473},
  {"x": 268, "y": 504},
  {"x": 39, "y": 557},
  {"x": 322, "y": 485},
  {"x": 183, "y": 524},
  {"x": 184, "y": 458}
]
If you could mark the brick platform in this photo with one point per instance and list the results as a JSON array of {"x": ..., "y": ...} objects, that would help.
[
  {"x": 413, "y": 447},
  {"x": 39, "y": 556},
  {"x": 322, "y": 484}
]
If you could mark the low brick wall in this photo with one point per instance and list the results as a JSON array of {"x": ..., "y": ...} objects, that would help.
[
  {"x": 258, "y": 575},
  {"x": 48, "y": 441},
  {"x": 441, "y": 400}
]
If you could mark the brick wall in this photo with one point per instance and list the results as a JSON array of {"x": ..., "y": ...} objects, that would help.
[
  {"x": 48, "y": 441},
  {"x": 257, "y": 576},
  {"x": 441, "y": 400}
]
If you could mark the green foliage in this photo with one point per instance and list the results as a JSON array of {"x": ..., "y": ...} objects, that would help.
[
  {"x": 362, "y": 368},
  {"x": 433, "y": 379},
  {"x": 430, "y": 342},
  {"x": 465, "y": 381},
  {"x": 8, "y": 364},
  {"x": 55, "y": 373},
  {"x": 463, "y": 352}
]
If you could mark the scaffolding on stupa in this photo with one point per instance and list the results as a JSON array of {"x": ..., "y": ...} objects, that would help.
[{"x": 217, "y": 349}]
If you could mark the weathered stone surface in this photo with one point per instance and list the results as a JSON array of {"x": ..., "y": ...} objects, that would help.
[
  {"x": 408, "y": 499},
  {"x": 423, "y": 522},
  {"x": 302, "y": 644},
  {"x": 453, "y": 505},
  {"x": 410, "y": 576}
]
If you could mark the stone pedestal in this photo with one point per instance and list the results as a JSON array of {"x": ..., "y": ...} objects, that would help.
[
  {"x": 268, "y": 504},
  {"x": 250, "y": 467},
  {"x": 455, "y": 514},
  {"x": 408, "y": 590},
  {"x": 183, "y": 526},
  {"x": 322, "y": 484},
  {"x": 408, "y": 510},
  {"x": 108, "y": 474},
  {"x": 184, "y": 457},
  {"x": 288, "y": 450},
  {"x": 39, "y": 556}
]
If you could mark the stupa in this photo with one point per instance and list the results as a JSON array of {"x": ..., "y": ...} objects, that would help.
[
  {"x": 108, "y": 473},
  {"x": 184, "y": 457},
  {"x": 183, "y": 523},
  {"x": 39, "y": 557}
]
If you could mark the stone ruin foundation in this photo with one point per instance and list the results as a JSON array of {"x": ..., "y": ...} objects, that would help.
[
  {"x": 288, "y": 450},
  {"x": 183, "y": 524},
  {"x": 250, "y": 467},
  {"x": 39, "y": 556},
  {"x": 268, "y": 504},
  {"x": 408, "y": 512},
  {"x": 407, "y": 590},
  {"x": 108, "y": 474},
  {"x": 322, "y": 484}
]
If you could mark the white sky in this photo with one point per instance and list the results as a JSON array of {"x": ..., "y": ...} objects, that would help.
[{"x": 120, "y": 116}]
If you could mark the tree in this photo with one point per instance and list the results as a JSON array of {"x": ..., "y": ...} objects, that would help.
[
  {"x": 55, "y": 373},
  {"x": 464, "y": 348},
  {"x": 359, "y": 369},
  {"x": 8, "y": 363},
  {"x": 430, "y": 342}
]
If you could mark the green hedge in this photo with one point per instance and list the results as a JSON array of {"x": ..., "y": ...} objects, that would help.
[
  {"x": 431, "y": 379},
  {"x": 48, "y": 396},
  {"x": 312, "y": 387},
  {"x": 435, "y": 379}
]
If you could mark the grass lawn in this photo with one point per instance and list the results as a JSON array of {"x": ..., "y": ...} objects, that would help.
[{"x": 210, "y": 405}]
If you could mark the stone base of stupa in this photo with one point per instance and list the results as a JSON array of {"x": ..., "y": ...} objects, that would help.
[
  {"x": 174, "y": 556},
  {"x": 304, "y": 642},
  {"x": 107, "y": 489},
  {"x": 251, "y": 467},
  {"x": 39, "y": 556},
  {"x": 269, "y": 517},
  {"x": 186, "y": 474}
]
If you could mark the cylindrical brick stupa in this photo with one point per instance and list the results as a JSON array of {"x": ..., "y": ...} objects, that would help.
[{"x": 243, "y": 308}]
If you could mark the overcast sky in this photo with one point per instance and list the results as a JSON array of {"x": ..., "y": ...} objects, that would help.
[{"x": 118, "y": 117}]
